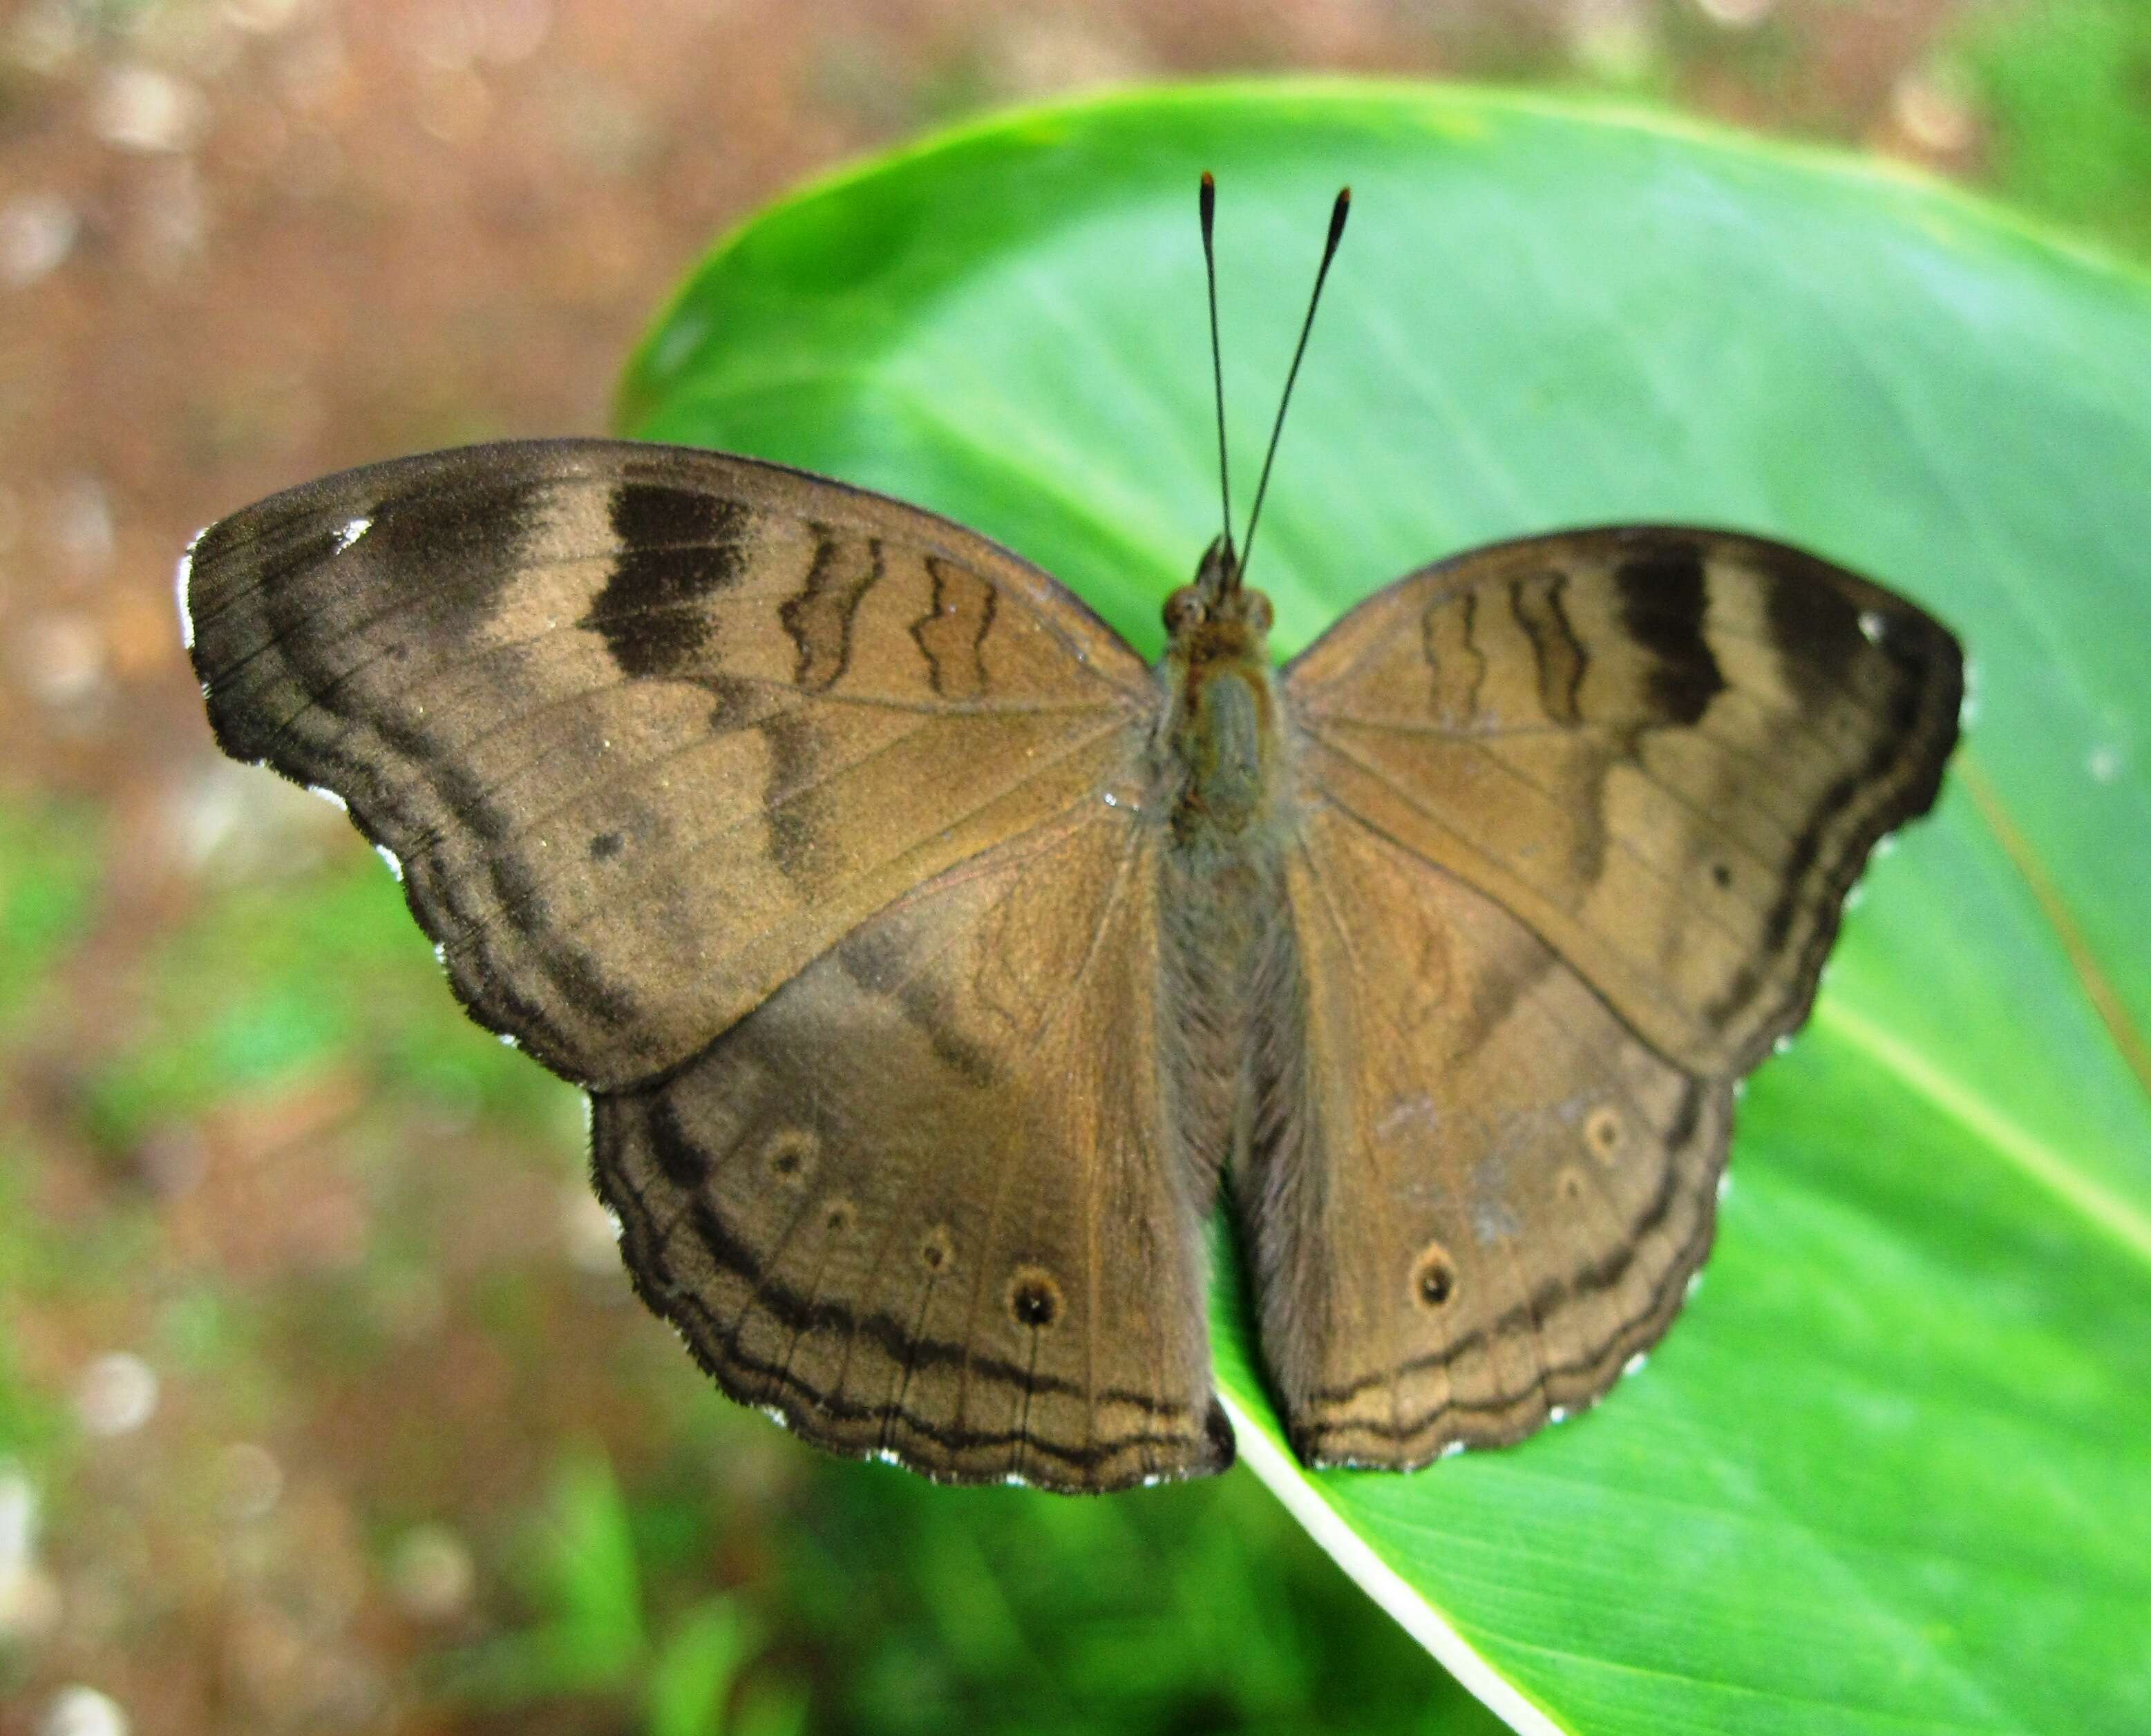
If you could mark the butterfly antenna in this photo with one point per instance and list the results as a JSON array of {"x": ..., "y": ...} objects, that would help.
[
  {"x": 1209, "y": 207},
  {"x": 1338, "y": 212}
]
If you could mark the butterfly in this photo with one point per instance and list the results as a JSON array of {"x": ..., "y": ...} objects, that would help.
[{"x": 932, "y": 963}]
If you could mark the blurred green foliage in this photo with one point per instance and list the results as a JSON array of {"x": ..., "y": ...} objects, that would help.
[
  {"x": 268, "y": 948},
  {"x": 912, "y": 1610},
  {"x": 1199, "y": 1607},
  {"x": 50, "y": 853},
  {"x": 594, "y": 1635},
  {"x": 49, "y": 861},
  {"x": 2065, "y": 87}
]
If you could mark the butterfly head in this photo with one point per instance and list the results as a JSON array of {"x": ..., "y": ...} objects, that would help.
[{"x": 1216, "y": 617}]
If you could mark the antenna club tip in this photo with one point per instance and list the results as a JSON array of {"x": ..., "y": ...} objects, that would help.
[
  {"x": 1338, "y": 214},
  {"x": 1209, "y": 182}
]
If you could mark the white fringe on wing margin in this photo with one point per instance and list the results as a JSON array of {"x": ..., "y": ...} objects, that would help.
[
  {"x": 180, "y": 580},
  {"x": 1381, "y": 1582}
]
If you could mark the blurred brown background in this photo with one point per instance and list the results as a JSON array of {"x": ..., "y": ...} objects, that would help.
[{"x": 323, "y": 1404}]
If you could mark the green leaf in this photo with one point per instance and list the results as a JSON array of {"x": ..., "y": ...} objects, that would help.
[
  {"x": 591, "y": 1637},
  {"x": 2060, "y": 90},
  {"x": 1890, "y": 1471},
  {"x": 589, "y": 1567},
  {"x": 693, "y": 1674}
]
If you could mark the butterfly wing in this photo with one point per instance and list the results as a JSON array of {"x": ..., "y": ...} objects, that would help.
[
  {"x": 1579, "y": 816},
  {"x": 647, "y": 728},
  {"x": 1479, "y": 1191},
  {"x": 781, "y": 816},
  {"x": 1667, "y": 752},
  {"x": 915, "y": 1203}
]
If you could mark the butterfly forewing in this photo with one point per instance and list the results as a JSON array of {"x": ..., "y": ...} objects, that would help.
[
  {"x": 1668, "y": 752},
  {"x": 921, "y": 1202},
  {"x": 648, "y": 727},
  {"x": 801, "y": 826}
]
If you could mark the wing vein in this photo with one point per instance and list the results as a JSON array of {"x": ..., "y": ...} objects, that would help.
[{"x": 1403, "y": 795}]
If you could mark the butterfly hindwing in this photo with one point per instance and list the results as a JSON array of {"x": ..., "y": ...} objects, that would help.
[
  {"x": 1479, "y": 1193},
  {"x": 1668, "y": 752},
  {"x": 647, "y": 728},
  {"x": 923, "y": 1203}
]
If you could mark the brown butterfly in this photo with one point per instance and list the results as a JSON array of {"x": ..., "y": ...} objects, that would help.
[{"x": 928, "y": 959}]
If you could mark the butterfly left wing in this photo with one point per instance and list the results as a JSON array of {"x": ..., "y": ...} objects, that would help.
[
  {"x": 923, "y": 1203},
  {"x": 648, "y": 727}
]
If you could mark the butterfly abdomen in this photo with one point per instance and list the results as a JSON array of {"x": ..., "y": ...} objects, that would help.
[{"x": 1220, "y": 905}]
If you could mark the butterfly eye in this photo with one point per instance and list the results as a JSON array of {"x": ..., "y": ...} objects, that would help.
[
  {"x": 1257, "y": 610},
  {"x": 1183, "y": 609}
]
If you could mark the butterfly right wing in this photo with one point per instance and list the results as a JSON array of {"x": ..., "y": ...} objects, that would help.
[
  {"x": 1668, "y": 751},
  {"x": 923, "y": 1203},
  {"x": 1577, "y": 816},
  {"x": 1472, "y": 1193},
  {"x": 648, "y": 727}
]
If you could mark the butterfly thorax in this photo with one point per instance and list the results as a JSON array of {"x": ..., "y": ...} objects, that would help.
[{"x": 1221, "y": 746}]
